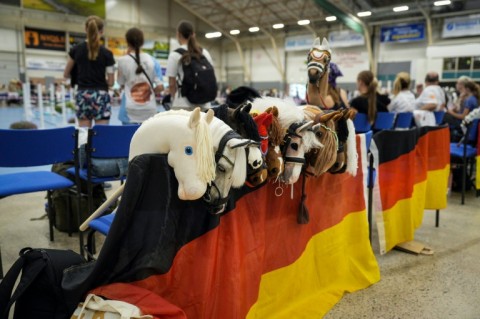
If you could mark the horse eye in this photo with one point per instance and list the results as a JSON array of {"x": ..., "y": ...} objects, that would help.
[
  {"x": 319, "y": 134},
  {"x": 188, "y": 150},
  {"x": 294, "y": 146},
  {"x": 221, "y": 168}
]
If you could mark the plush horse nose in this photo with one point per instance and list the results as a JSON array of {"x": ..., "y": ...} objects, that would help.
[{"x": 274, "y": 170}]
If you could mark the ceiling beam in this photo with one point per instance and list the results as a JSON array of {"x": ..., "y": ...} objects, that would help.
[{"x": 348, "y": 19}]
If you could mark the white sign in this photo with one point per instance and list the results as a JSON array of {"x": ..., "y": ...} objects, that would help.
[
  {"x": 43, "y": 64},
  {"x": 297, "y": 43},
  {"x": 461, "y": 27},
  {"x": 345, "y": 38}
]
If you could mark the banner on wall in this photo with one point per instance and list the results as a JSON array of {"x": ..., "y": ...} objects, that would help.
[
  {"x": 403, "y": 33},
  {"x": 461, "y": 27},
  {"x": 118, "y": 46},
  {"x": 157, "y": 49},
  {"x": 79, "y": 7},
  {"x": 44, "y": 64},
  {"x": 44, "y": 39},
  {"x": 345, "y": 38},
  {"x": 297, "y": 43},
  {"x": 76, "y": 38}
]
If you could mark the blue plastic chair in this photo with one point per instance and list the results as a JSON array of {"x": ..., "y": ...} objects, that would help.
[
  {"x": 361, "y": 123},
  {"x": 404, "y": 120},
  {"x": 384, "y": 121},
  {"x": 102, "y": 225},
  {"x": 104, "y": 141},
  {"x": 467, "y": 151},
  {"x": 26, "y": 150},
  {"x": 439, "y": 115}
]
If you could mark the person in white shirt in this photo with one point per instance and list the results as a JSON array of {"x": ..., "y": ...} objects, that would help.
[
  {"x": 187, "y": 40},
  {"x": 432, "y": 97},
  {"x": 404, "y": 100},
  {"x": 136, "y": 73}
]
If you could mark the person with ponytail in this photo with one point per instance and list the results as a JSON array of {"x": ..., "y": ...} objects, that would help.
[
  {"x": 94, "y": 75},
  {"x": 369, "y": 101},
  {"x": 139, "y": 79},
  {"x": 404, "y": 100},
  {"x": 187, "y": 39}
]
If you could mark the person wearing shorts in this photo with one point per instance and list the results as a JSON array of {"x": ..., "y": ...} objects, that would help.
[{"x": 94, "y": 75}]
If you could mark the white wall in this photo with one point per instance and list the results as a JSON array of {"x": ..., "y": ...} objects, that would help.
[{"x": 9, "y": 40}]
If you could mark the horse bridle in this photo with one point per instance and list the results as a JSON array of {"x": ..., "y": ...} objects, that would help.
[
  {"x": 218, "y": 156},
  {"x": 287, "y": 140},
  {"x": 314, "y": 59}
]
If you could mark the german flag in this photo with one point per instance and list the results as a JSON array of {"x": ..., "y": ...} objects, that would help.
[
  {"x": 412, "y": 175},
  {"x": 255, "y": 261}
]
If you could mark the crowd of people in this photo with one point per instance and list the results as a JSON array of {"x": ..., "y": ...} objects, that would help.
[{"x": 90, "y": 67}]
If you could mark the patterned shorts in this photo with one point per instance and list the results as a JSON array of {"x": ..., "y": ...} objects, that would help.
[{"x": 93, "y": 105}]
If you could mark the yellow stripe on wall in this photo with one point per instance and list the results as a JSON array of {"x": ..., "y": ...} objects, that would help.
[{"x": 335, "y": 260}]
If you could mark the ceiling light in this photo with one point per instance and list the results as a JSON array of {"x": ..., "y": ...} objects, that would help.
[
  {"x": 364, "y": 14},
  {"x": 210, "y": 35},
  {"x": 278, "y": 26},
  {"x": 303, "y": 22},
  {"x": 234, "y": 32},
  {"x": 331, "y": 18},
  {"x": 401, "y": 8},
  {"x": 442, "y": 3},
  {"x": 253, "y": 29}
]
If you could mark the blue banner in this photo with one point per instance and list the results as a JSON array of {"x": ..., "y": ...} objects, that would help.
[{"x": 403, "y": 33}]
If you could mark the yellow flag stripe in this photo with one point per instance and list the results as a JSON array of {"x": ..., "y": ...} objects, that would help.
[
  {"x": 335, "y": 260},
  {"x": 400, "y": 222}
]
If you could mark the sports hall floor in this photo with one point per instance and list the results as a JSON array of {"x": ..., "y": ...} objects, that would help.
[{"x": 445, "y": 285}]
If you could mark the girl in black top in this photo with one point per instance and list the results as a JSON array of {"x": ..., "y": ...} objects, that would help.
[
  {"x": 92, "y": 61},
  {"x": 369, "y": 101}
]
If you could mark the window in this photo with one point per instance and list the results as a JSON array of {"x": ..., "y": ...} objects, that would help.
[
  {"x": 449, "y": 64},
  {"x": 464, "y": 63},
  {"x": 476, "y": 62}
]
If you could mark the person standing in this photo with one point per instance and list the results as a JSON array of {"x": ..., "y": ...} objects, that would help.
[
  {"x": 187, "y": 40},
  {"x": 92, "y": 61},
  {"x": 404, "y": 100},
  {"x": 432, "y": 97},
  {"x": 138, "y": 78},
  {"x": 369, "y": 101}
]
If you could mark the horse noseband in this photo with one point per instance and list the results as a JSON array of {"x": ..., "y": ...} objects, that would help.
[{"x": 287, "y": 142}]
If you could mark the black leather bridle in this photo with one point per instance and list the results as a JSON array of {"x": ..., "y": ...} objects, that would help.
[{"x": 287, "y": 140}]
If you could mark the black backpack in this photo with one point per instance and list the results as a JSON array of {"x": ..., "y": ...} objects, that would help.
[
  {"x": 39, "y": 294},
  {"x": 199, "y": 84}
]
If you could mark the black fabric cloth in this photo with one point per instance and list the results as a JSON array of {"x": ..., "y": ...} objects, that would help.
[
  {"x": 150, "y": 226},
  {"x": 241, "y": 95},
  {"x": 360, "y": 103},
  {"x": 91, "y": 74}
]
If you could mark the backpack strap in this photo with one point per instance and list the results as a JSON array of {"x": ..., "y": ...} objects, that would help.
[
  {"x": 180, "y": 51},
  {"x": 143, "y": 70},
  {"x": 8, "y": 282}
]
